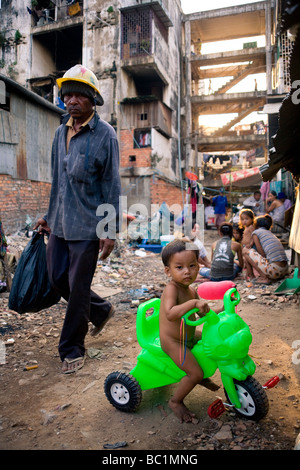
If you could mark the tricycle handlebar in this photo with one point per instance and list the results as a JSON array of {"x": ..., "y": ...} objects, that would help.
[
  {"x": 231, "y": 299},
  {"x": 199, "y": 321}
]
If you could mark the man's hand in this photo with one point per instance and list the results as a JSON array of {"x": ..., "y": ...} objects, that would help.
[
  {"x": 106, "y": 246},
  {"x": 42, "y": 224}
]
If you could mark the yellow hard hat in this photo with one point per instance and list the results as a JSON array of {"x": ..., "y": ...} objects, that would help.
[{"x": 79, "y": 73}]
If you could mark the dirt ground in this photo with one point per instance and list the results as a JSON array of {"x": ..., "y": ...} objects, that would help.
[{"x": 41, "y": 409}]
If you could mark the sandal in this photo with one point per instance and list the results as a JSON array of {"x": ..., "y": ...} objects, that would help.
[
  {"x": 95, "y": 330},
  {"x": 72, "y": 365}
]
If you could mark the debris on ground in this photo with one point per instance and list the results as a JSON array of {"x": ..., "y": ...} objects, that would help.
[{"x": 36, "y": 397}]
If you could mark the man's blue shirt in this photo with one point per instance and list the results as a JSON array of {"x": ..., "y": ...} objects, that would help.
[
  {"x": 220, "y": 203},
  {"x": 84, "y": 177}
]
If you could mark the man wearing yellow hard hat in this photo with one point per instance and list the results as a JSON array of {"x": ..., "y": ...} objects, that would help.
[
  {"x": 84, "y": 200},
  {"x": 81, "y": 78}
]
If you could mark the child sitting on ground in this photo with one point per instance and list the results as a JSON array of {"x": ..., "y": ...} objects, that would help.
[
  {"x": 246, "y": 222},
  {"x": 181, "y": 265},
  {"x": 237, "y": 233},
  {"x": 223, "y": 266}
]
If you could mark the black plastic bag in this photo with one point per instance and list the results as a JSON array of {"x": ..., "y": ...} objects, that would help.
[{"x": 31, "y": 290}]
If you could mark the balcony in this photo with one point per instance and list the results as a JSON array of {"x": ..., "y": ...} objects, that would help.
[
  {"x": 57, "y": 34},
  {"x": 144, "y": 32},
  {"x": 147, "y": 115},
  {"x": 63, "y": 10}
]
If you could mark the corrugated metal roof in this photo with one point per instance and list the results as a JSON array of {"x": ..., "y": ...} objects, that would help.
[{"x": 18, "y": 88}]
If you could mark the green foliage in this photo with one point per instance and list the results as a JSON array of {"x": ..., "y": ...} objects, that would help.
[
  {"x": 18, "y": 36},
  {"x": 139, "y": 99},
  {"x": 155, "y": 159}
]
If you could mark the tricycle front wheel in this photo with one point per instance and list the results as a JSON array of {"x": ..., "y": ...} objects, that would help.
[
  {"x": 123, "y": 391},
  {"x": 253, "y": 398}
]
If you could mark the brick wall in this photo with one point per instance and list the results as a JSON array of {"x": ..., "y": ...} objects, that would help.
[
  {"x": 163, "y": 191},
  {"x": 19, "y": 198},
  {"x": 160, "y": 190}
]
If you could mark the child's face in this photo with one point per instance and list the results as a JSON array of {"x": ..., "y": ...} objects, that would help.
[
  {"x": 183, "y": 267},
  {"x": 236, "y": 234},
  {"x": 246, "y": 220}
]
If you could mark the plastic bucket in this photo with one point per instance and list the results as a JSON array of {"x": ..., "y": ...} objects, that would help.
[{"x": 165, "y": 239}]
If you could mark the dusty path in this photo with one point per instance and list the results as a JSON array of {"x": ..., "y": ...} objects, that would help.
[{"x": 43, "y": 409}]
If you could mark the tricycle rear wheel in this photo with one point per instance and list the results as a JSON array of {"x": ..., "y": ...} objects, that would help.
[
  {"x": 253, "y": 398},
  {"x": 123, "y": 391}
]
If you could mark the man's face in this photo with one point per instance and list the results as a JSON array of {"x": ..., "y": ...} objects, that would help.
[
  {"x": 257, "y": 196},
  {"x": 78, "y": 106}
]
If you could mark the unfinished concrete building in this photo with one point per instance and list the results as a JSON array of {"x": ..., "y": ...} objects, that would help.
[
  {"x": 150, "y": 61},
  {"x": 133, "y": 47},
  {"x": 232, "y": 65}
]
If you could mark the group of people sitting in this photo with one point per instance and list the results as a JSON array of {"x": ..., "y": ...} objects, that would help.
[
  {"x": 276, "y": 204},
  {"x": 248, "y": 246}
]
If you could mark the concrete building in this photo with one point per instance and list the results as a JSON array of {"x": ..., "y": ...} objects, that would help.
[
  {"x": 149, "y": 59},
  {"x": 134, "y": 48},
  {"x": 229, "y": 65}
]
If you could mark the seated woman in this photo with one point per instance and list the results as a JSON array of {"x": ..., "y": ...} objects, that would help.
[
  {"x": 269, "y": 258},
  {"x": 275, "y": 207}
]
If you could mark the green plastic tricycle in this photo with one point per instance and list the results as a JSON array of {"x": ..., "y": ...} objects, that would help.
[{"x": 224, "y": 345}]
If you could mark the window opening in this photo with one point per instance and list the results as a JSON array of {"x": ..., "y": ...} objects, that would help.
[
  {"x": 142, "y": 117},
  {"x": 137, "y": 33},
  {"x": 142, "y": 138}
]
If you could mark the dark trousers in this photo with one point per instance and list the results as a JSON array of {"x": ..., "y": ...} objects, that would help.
[{"x": 71, "y": 267}]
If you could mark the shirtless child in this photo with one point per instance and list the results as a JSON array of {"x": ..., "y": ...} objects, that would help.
[{"x": 181, "y": 265}]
